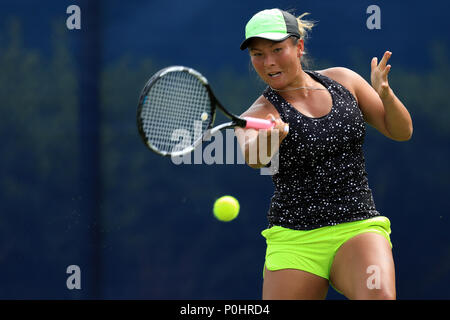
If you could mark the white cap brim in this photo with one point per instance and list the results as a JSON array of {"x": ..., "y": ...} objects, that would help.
[{"x": 274, "y": 36}]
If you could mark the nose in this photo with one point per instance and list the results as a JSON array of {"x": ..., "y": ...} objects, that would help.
[{"x": 269, "y": 60}]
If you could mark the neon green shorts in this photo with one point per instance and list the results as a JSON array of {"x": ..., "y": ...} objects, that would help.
[{"x": 314, "y": 250}]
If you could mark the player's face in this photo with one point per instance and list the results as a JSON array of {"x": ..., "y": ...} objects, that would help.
[{"x": 277, "y": 63}]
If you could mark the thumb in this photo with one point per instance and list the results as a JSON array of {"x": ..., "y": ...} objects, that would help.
[
  {"x": 374, "y": 63},
  {"x": 270, "y": 117}
]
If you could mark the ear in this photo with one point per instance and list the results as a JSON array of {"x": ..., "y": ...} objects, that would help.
[{"x": 300, "y": 47}]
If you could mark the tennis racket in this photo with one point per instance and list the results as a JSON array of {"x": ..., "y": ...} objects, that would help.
[{"x": 177, "y": 109}]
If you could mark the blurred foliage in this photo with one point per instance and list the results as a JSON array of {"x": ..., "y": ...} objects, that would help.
[
  {"x": 39, "y": 170},
  {"x": 159, "y": 237}
]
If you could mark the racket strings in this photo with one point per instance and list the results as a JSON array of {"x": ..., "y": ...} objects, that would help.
[{"x": 174, "y": 111}]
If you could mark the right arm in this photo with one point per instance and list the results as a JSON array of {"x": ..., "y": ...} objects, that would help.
[{"x": 253, "y": 142}]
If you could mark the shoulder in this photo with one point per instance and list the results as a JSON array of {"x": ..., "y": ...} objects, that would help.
[
  {"x": 340, "y": 74},
  {"x": 368, "y": 100},
  {"x": 346, "y": 77},
  {"x": 261, "y": 108}
]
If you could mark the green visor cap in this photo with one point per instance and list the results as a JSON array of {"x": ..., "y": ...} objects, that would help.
[{"x": 273, "y": 24}]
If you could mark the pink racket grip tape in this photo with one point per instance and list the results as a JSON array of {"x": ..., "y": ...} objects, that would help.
[{"x": 256, "y": 123}]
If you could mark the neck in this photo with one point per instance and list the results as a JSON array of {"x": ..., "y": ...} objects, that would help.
[
  {"x": 301, "y": 81},
  {"x": 301, "y": 87}
]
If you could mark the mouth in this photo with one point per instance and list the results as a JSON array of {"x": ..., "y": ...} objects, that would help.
[{"x": 274, "y": 74}]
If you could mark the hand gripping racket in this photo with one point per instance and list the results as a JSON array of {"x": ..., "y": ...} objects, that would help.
[{"x": 177, "y": 109}]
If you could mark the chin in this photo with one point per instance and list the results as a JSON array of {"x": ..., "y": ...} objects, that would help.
[{"x": 276, "y": 86}]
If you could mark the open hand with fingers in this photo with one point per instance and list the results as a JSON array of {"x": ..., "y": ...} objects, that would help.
[{"x": 379, "y": 74}]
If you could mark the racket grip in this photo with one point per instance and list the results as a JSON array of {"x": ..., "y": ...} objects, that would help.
[{"x": 257, "y": 123}]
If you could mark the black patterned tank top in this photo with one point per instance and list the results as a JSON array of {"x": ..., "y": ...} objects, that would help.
[{"x": 321, "y": 179}]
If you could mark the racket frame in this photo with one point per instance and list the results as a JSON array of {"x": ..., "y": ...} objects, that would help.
[{"x": 215, "y": 103}]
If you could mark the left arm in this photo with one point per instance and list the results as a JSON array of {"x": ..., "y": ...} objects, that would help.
[
  {"x": 378, "y": 103},
  {"x": 397, "y": 118}
]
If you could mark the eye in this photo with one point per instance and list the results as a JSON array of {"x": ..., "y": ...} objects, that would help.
[
  {"x": 277, "y": 49},
  {"x": 256, "y": 54}
]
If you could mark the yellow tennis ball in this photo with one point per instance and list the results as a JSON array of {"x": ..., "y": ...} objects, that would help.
[{"x": 226, "y": 208}]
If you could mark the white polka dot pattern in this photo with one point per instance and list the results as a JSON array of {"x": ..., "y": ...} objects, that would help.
[{"x": 322, "y": 178}]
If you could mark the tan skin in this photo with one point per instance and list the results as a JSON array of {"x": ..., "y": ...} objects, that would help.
[{"x": 381, "y": 109}]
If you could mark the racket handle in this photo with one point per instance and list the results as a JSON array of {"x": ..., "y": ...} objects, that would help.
[{"x": 257, "y": 123}]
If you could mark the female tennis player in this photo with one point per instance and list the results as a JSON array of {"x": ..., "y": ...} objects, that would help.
[{"x": 323, "y": 225}]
